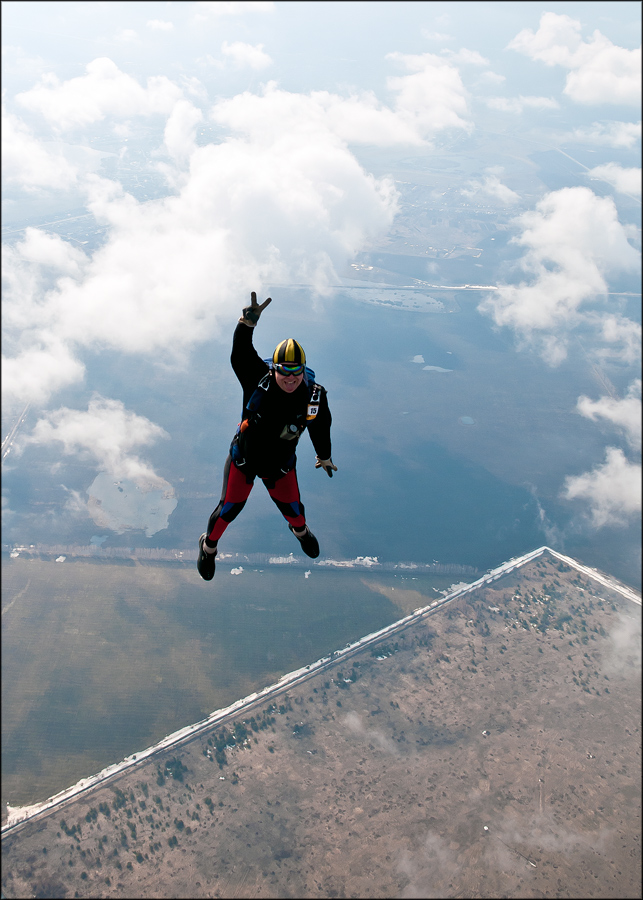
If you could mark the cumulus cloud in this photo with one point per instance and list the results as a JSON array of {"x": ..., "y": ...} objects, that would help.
[
  {"x": 28, "y": 163},
  {"x": 320, "y": 114},
  {"x": 246, "y": 55},
  {"x": 281, "y": 199},
  {"x": 358, "y": 118},
  {"x": 600, "y": 72},
  {"x": 29, "y": 267},
  {"x": 103, "y": 91},
  {"x": 432, "y": 97},
  {"x": 36, "y": 361},
  {"x": 624, "y": 412},
  {"x": 465, "y": 57},
  {"x": 180, "y": 130},
  {"x": 623, "y": 335},
  {"x": 625, "y": 181},
  {"x": 39, "y": 370},
  {"x": 517, "y": 105},
  {"x": 609, "y": 134},
  {"x": 555, "y": 42},
  {"x": 440, "y": 36},
  {"x": 613, "y": 490},
  {"x": 489, "y": 77},
  {"x": 107, "y": 433},
  {"x": 604, "y": 73},
  {"x": 574, "y": 240},
  {"x": 492, "y": 187}
]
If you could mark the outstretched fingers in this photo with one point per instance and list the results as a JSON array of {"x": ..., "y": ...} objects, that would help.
[{"x": 258, "y": 306}]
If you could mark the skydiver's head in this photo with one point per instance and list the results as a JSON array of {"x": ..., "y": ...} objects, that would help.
[{"x": 288, "y": 362}]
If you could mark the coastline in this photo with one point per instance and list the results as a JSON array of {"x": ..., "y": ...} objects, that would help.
[{"x": 19, "y": 816}]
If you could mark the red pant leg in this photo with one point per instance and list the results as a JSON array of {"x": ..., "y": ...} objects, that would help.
[
  {"x": 236, "y": 490},
  {"x": 285, "y": 493}
]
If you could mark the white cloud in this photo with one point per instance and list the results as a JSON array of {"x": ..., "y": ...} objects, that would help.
[
  {"x": 573, "y": 240},
  {"x": 48, "y": 250},
  {"x": 436, "y": 36},
  {"x": 29, "y": 268},
  {"x": 492, "y": 187},
  {"x": 625, "y": 181},
  {"x": 246, "y": 55},
  {"x": 38, "y": 361},
  {"x": 194, "y": 87},
  {"x": 282, "y": 199},
  {"x": 606, "y": 74},
  {"x": 619, "y": 331},
  {"x": 432, "y": 98},
  {"x": 610, "y": 134},
  {"x": 28, "y": 163},
  {"x": 106, "y": 433},
  {"x": 600, "y": 72},
  {"x": 555, "y": 42},
  {"x": 490, "y": 78},
  {"x": 37, "y": 372},
  {"x": 465, "y": 57},
  {"x": 277, "y": 114},
  {"x": 517, "y": 105},
  {"x": 159, "y": 25},
  {"x": 103, "y": 91},
  {"x": 132, "y": 295},
  {"x": 613, "y": 490},
  {"x": 180, "y": 130},
  {"x": 624, "y": 412}
]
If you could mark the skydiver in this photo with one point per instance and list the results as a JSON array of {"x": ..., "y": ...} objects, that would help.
[{"x": 280, "y": 401}]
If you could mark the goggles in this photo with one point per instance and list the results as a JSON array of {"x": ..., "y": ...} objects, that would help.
[{"x": 288, "y": 370}]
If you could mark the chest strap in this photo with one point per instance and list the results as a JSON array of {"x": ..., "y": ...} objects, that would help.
[{"x": 254, "y": 403}]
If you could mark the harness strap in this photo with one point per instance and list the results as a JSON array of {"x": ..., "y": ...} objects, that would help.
[
  {"x": 255, "y": 400},
  {"x": 254, "y": 403}
]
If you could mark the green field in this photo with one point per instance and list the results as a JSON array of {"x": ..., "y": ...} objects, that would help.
[{"x": 100, "y": 660}]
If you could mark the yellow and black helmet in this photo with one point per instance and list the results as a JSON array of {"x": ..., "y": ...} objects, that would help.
[{"x": 289, "y": 353}]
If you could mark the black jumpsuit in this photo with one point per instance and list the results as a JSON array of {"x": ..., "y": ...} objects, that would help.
[{"x": 266, "y": 445}]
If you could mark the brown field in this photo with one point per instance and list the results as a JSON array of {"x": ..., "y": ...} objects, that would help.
[{"x": 490, "y": 754}]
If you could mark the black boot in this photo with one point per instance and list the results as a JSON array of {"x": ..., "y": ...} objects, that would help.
[
  {"x": 205, "y": 563},
  {"x": 308, "y": 542}
]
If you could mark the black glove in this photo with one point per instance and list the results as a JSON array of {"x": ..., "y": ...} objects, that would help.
[
  {"x": 326, "y": 465},
  {"x": 251, "y": 313}
]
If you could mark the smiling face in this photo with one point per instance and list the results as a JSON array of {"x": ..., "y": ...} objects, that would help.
[{"x": 288, "y": 382}]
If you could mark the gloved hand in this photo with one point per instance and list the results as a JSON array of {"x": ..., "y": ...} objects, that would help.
[
  {"x": 326, "y": 465},
  {"x": 251, "y": 313}
]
